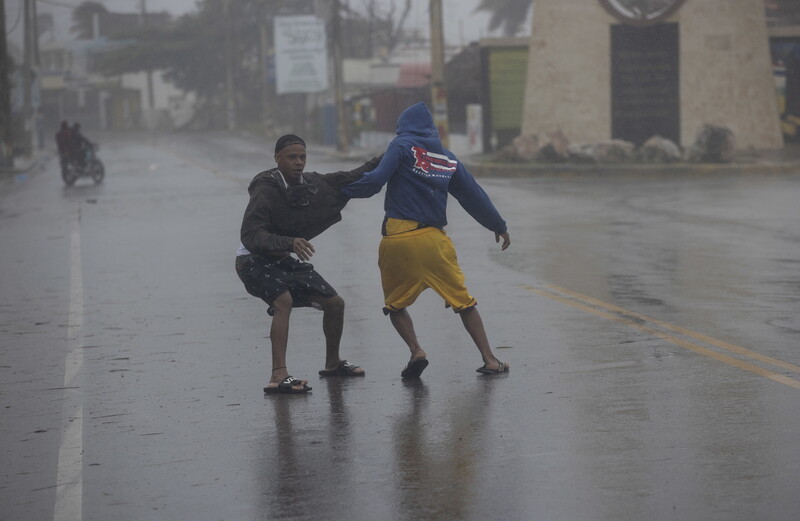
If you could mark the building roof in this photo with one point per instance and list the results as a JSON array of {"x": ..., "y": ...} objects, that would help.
[{"x": 414, "y": 75}]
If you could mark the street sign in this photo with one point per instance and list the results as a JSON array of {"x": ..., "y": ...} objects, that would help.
[{"x": 301, "y": 56}]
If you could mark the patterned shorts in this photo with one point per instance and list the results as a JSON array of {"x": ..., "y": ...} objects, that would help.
[{"x": 267, "y": 279}]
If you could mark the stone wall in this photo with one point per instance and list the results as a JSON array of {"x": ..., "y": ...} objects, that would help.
[{"x": 725, "y": 71}]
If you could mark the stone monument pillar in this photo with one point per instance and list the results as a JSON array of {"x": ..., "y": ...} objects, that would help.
[{"x": 631, "y": 69}]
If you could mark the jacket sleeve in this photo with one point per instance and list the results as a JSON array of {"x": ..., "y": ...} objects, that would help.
[
  {"x": 256, "y": 224},
  {"x": 475, "y": 201},
  {"x": 372, "y": 182},
  {"x": 340, "y": 179}
]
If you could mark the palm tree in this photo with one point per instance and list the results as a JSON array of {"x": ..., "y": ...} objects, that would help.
[
  {"x": 83, "y": 19},
  {"x": 510, "y": 14}
]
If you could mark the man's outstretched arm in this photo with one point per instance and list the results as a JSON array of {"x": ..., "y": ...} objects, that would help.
[
  {"x": 372, "y": 182},
  {"x": 344, "y": 178}
]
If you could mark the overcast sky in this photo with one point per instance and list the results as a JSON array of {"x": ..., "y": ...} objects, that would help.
[{"x": 462, "y": 25}]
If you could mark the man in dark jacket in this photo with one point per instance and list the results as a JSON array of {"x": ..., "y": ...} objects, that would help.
[
  {"x": 287, "y": 208},
  {"x": 64, "y": 143},
  {"x": 79, "y": 145}
]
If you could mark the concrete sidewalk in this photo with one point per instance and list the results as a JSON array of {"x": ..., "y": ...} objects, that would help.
[{"x": 26, "y": 164}]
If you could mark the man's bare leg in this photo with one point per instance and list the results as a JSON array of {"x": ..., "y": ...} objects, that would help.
[
  {"x": 473, "y": 323},
  {"x": 402, "y": 322},
  {"x": 332, "y": 327},
  {"x": 279, "y": 338}
]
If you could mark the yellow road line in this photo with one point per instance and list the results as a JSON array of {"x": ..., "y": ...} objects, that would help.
[
  {"x": 721, "y": 357},
  {"x": 672, "y": 327}
]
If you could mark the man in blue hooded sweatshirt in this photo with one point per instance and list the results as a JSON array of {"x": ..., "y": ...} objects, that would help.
[{"x": 415, "y": 253}]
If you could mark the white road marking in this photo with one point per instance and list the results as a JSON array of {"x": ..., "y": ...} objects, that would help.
[{"x": 69, "y": 477}]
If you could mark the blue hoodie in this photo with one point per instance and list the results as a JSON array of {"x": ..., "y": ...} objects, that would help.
[{"x": 419, "y": 173}]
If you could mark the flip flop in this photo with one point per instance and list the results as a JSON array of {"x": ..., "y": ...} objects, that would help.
[
  {"x": 502, "y": 368},
  {"x": 344, "y": 368},
  {"x": 414, "y": 368},
  {"x": 287, "y": 386}
]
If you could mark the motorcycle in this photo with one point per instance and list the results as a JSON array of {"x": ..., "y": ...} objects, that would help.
[{"x": 90, "y": 167}]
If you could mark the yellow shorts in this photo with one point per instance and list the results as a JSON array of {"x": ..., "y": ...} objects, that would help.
[{"x": 412, "y": 261}]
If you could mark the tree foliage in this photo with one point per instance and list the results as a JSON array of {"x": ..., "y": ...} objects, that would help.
[
  {"x": 378, "y": 24},
  {"x": 194, "y": 50},
  {"x": 83, "y": 19},
  {"x": 508, "y": 14},
  {"x": 511, "y": 14}
]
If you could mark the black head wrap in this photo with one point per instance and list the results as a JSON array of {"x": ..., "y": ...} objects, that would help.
[{"x": 288, "y": 140}]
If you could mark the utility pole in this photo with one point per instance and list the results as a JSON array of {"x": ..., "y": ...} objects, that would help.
[
  {"x": 229, "y": 85},
  {"x": 438, "y": 90},
  {"x": 6, "y": 135},
  {"x": 342, "y": 137},
  {"x": 151, "y": 102},
  {"x": 263, "y": 50},
  {"x": 37, "y": 66},
  {"x": 35, "y": 33},
  {"x": 27, "y": 77}
]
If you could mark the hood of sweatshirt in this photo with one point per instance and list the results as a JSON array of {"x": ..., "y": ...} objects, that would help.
[{"x": 418, "y": 121}]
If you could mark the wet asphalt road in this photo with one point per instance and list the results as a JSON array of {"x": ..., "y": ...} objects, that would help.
[{"x": 651, "y": 324}]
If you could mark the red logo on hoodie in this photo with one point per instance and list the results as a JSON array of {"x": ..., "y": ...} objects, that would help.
[{"x": 433, "y": 164}]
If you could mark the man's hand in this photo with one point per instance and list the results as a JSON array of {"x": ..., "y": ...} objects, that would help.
[
  {"x": 302, "y": 248},
  {"x": 506, "y": 240}
]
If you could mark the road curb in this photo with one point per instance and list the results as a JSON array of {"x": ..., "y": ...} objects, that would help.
[
  {"x": 27, "y": 164},
  {"x": 490, "y": 169},
  {"x": 480, "y": 167}
]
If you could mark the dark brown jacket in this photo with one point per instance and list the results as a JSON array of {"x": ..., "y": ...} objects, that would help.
[{"x": 275, "y": 215}]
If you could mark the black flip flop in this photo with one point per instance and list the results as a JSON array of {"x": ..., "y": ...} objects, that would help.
[
  {"x": 414, "y": 368},
  {"x": 344, "y": 368},
  {"x": 287, "y": 386},
  {"x": 502, "y": 368}
]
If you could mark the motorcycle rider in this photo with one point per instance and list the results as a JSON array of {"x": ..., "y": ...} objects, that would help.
[
  {"x": 80, "y": 147},
  {"x": 64, "y": 144}
]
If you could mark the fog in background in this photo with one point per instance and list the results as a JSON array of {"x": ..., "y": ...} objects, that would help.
[{"x": 461, "y": 25}]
